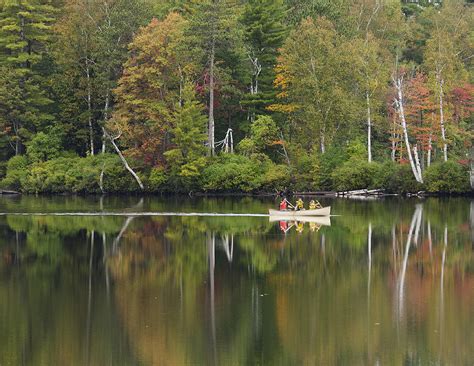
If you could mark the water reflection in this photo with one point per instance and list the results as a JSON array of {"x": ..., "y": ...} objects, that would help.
[{"x": 388, "y": 282}]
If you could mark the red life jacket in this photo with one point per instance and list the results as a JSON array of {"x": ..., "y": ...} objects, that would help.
[{"x": 283, "y": 205}]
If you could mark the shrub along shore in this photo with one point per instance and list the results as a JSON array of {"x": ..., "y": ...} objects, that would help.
[{"x": 337, "y": 170}]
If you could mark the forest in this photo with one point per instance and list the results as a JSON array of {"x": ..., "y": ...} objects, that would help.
[{"x": 236, "y": 95}]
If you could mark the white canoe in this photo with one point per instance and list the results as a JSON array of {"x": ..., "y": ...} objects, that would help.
[
  {"x": 325, "y": 211},
  {"x": 319, "y": 220}
]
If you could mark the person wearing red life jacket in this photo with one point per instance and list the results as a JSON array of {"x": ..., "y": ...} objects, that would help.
[{"x": 284, "y": 204}]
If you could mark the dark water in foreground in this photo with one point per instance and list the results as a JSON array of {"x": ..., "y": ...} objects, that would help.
[{"x": 388, "y": 283}]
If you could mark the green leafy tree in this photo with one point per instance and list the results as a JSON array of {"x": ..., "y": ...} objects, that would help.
[
  {"x": 44, "y": 146},
  {"x": 315, "y": 76},
  {"x": 264, "y": 138}
]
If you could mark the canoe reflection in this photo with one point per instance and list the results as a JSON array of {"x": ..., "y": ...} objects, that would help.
[{"x": 314, "y": 222}]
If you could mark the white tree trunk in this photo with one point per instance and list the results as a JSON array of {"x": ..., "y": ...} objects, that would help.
[
  {"x": 211, "y": 141},
  {"x": 89, "y": 107},
  {"x": 369, "y": 129},
  {"x": 417, "y": 163},
  {"x": 106, "y": 117},
  {"x": 322, "y": 142},
  {"x": 256, "y": 70},
  {"x": 430, "y": 147},
  {"x": 441, "y": 119},
  {"x": 394, "y": 137},
  {"x": 398, "y": 82},
  {"x": 472, "y": 168}
]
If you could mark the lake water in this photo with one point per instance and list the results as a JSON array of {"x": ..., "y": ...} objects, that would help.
[{"x": 390, "y": 282}]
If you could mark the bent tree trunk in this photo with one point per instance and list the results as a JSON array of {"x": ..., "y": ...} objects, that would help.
[
  {"x": 415, "y": 167},
  {"x": 124, "y": 161}
]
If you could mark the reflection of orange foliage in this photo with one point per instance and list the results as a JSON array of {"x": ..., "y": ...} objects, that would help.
[
  {"x": 420, "y": 287},
  {"x": 147, "y": 319},
  {"x": 281, "y": 278},
  {"x": 7, "y": 256},
  {"x": 464, "y": 289},
  {"x": 277, "y": 244}
]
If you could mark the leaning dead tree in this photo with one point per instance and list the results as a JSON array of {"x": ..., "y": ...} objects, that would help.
[
  {"x": 227, "y": 144},
  {"x": 112, "y": 140}
]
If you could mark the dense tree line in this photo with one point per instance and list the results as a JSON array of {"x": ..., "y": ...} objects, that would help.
[{"x": 125, "y": 95}]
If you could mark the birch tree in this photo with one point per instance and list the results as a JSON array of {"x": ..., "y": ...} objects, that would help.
[
  {"x": 373, "y": 76},
  {"x": 92, "y": 48},
  {"x": 381, "y": 29},
  {"x": 444, "y": 56},
  {"x": 399, "y": 83},
  {"x": 314, "y": 74},
  {"x": 75, "y": 56}
]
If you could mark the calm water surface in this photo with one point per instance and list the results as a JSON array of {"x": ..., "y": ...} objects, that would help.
[{"x": 390, "y": 282}]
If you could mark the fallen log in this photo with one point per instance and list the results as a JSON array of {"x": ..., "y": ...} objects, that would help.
[
  {"x": 316, "y": 193},
  {"x": 361, "y": 192},
  {"x": 5, "y": 191}
]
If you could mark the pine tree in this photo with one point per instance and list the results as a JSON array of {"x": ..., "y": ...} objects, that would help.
[
  {"x": 264, "y": 33},
  {"x": 25, "y": 33}
]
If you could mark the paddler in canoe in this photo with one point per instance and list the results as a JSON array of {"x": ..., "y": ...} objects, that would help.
[
  {"x": 299, "y": 205},
  {"x": 314, "y": 205},
  {"x": 284, "y": 204}
]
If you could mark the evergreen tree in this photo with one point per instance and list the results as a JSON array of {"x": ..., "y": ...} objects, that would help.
[
  {"x": 334, "y": 10},
  {"x": 264, "y": 33},
  {"x": 25, "y": 34}
]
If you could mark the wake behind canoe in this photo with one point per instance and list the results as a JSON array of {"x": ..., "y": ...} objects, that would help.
[{"x": 325, "y": 211}]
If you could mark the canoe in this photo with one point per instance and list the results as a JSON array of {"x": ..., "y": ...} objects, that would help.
[
  {"x": 319, "y": 220},
  {"x": 325, "y": 211}
]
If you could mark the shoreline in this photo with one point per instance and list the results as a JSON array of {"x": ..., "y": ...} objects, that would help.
[{"x": 320, "y": 194}]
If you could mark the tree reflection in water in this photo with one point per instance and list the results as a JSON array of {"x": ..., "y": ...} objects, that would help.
[{"x": 382, "y": 285}]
